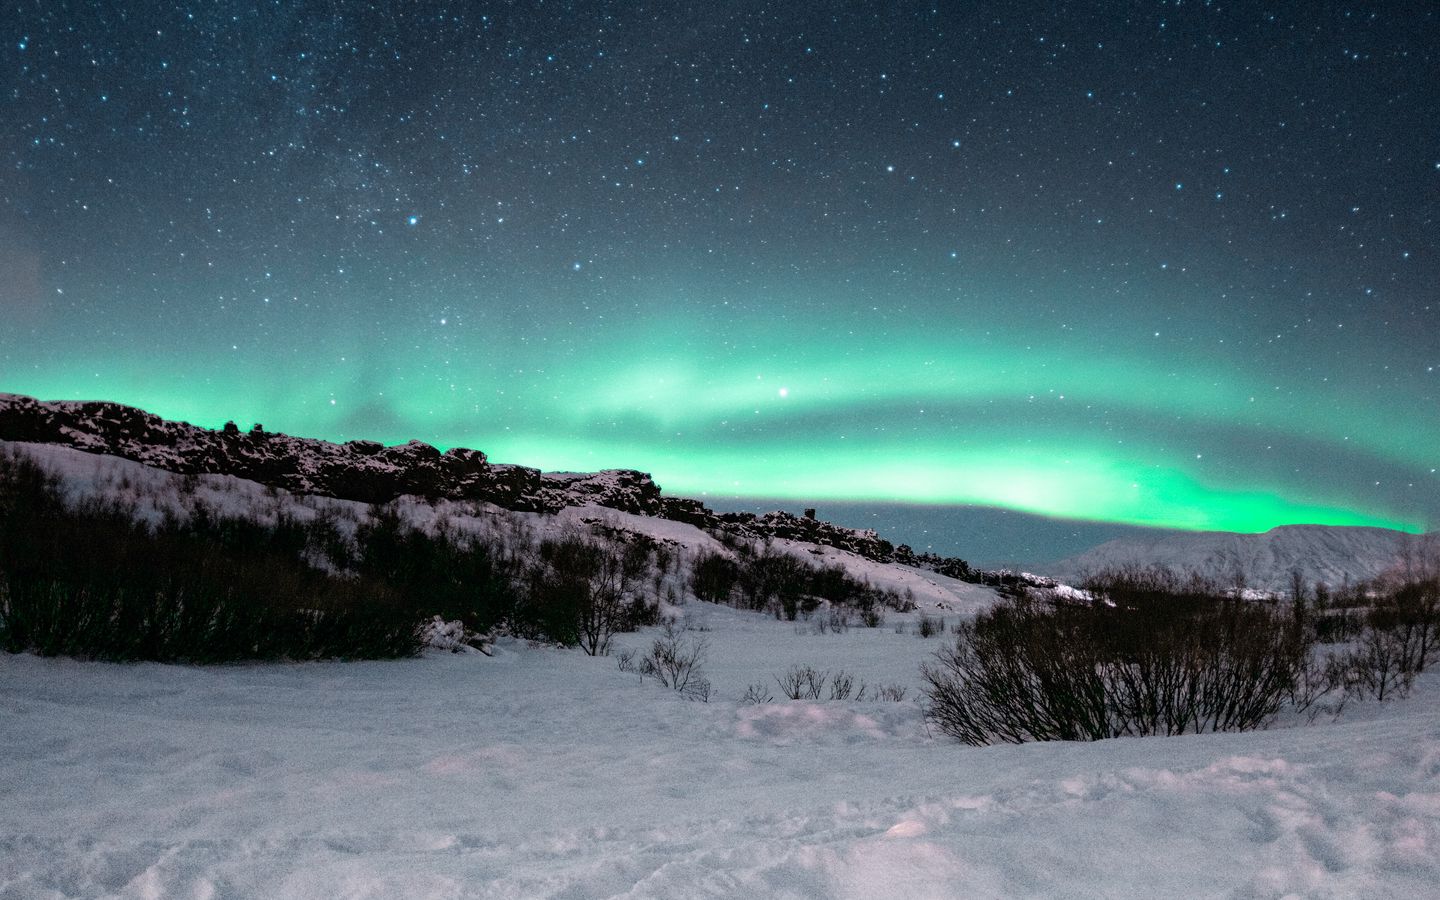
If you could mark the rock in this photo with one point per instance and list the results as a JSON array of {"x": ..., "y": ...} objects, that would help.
[{"x": 370, "y": 472}]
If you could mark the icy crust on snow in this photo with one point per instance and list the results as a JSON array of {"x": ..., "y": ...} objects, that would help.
[{"x": 545, "y": 773}]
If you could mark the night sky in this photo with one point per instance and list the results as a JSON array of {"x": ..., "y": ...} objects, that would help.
[{"x": 1156, "y": 264}]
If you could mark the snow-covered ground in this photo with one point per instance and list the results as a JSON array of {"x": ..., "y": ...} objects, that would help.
[
  {"x": 546, "y": 773},
  {"x": 542, "y": 772}
]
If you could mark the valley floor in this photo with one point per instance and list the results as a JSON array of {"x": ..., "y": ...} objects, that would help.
[{"x": 546, "y": 773}]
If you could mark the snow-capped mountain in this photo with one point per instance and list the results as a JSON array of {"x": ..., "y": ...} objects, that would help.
[{"x": 1322, "y": 553}]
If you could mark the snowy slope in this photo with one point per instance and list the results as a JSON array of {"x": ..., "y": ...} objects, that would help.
[
  {"x": 1324, "y": 553},
  {"x": 156, "y": 492},
  {"x": 370, "y": 472}
]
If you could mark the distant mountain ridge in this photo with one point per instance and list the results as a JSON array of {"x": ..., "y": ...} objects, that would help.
[{"x": 1322, "y": 553}]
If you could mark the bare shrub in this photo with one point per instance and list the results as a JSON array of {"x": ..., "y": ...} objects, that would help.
[
  {"x": 1151, "y": 663},
  {"x": 756, "y": 693},
  {"x": 802, "y": 682},
  {"x": 1382, "y": 666},
  {"x": 674, "y": 660},
  {"x": 583, "y": 592},
  {"x": 927, "y": 627},
  {"x": 776, "y": 582},
  {"x": 1410, "y": 613},
  {"x": 842, "y": 685},
  {"x": 93, "y": 579},
  {"x": 1392, "y": 627},
  {"x": 890, "y": 693}
]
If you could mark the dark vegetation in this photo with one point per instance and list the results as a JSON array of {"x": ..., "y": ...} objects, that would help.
[
  {"x": 1387, "y": 632},
  {"x": 89, "y": 580},
  {"x": 759, "y": 577},
  {"x": 98, "y": 579},
  {"x": 803, "y": 682},
  {"x": 114, "y": 579},
  {"x": 581, "y": 593},
  {"x": 674, "y": 660},
  {"x": 1154, "y": 653}
]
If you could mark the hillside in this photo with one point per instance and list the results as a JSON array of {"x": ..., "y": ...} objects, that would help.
[{"x": 369, "y": 472}]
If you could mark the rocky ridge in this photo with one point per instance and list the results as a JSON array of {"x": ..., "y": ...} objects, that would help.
[{"x": 370, "y": 472}]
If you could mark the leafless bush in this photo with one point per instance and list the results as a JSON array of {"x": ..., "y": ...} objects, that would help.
[
  {"x": 1032, "y": 670},
  {"x": 1392, "y": 627},
  {"x": 835, "y": 621},
  {"x": 1323, "y": 685},
  {"x": 927, "y": 627},
  {"x": 583, "y": 592},
  {"x": 756, "y": 693},
  {"x": 890, "y": 693},
  {"x": 809, "y": 683},
  {"x": 802, "y": 682},
  {"x": 674, "y": 660},
  {"x": 1383, "y": 665},
  {"x": 842, "y": 685},
  {"x": 626, "y": 661}
]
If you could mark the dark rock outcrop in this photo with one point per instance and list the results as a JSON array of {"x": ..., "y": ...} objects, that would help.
[
  {"x": 370, "y": 472},
  {"x": 357, "y": 470}
]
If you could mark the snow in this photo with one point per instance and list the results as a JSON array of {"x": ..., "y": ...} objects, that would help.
[
  {"x": 541, "y": 772},
  {"x": 545, "y": 773}
]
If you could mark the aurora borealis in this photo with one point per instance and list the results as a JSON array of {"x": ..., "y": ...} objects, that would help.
[{"x": 1155, "y": 264}]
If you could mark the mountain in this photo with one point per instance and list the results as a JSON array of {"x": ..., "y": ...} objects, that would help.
[{"x": 1322, "y": 553}]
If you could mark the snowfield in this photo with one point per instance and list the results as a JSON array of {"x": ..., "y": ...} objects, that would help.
[
  {"x": 546, "y": 773},
  {"x": 542, "y": 772}
]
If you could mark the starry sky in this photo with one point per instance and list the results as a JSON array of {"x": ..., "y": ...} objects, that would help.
[{"x": 1156, "y": 264}]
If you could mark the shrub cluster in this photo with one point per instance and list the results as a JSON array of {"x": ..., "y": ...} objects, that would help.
[
  {"x": 1143, "y": 663},
  {"x": 582, "y": 592},
  {"x": 785, "y": 585},
  {"x": 804, "y": 682},
  {"x": 95, "y": 579},
  {"x": 90, "y": 580},
  {"x": 1156, "y": 653},
  {"x": 467, "y": 577},
  {"x": 1385, "y": 633},
  {"x": 674, "y": 661}
]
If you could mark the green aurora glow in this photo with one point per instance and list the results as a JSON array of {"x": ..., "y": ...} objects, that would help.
[
  {"x": 1009, "y": 421},
  {"x": 1172, "y": 268}
]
